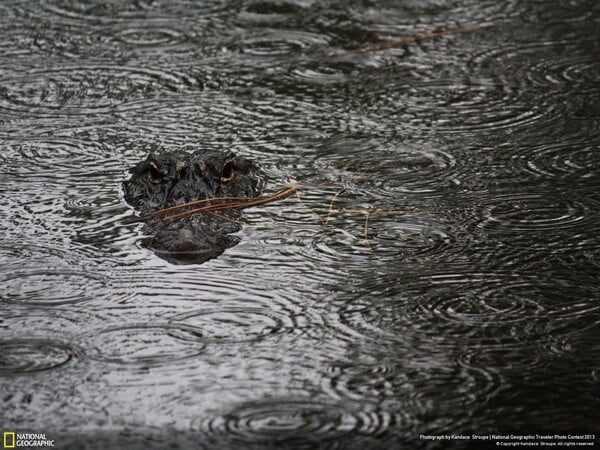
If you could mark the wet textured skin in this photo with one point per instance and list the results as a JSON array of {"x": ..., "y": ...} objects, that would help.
[{"x": 166, "y": 179}]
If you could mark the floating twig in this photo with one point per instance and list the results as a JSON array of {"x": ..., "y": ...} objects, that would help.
[
  {"x": 226, "y": 204},
  {"x": 392, "y": 43},
  {"x": 164, "y": 211},
  {"x": 216, "y": 205},
  {"x": 330, "y": 210}
]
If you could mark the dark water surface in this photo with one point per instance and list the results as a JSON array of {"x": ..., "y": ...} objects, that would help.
[{"x": 472, "y": 306}]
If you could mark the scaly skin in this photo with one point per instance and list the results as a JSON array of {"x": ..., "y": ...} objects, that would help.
[{"x": 166, "y": 179}]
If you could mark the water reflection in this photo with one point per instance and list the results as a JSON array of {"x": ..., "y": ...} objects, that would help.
[{"x": 452, "y": 286}]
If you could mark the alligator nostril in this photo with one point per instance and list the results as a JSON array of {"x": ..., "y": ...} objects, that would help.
[
  {"x": 185, "y": 241},
  {"x": 185, "y": 234}
]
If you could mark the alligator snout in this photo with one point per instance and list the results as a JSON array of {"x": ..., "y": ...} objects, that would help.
[{"x": 167, "y": 179}]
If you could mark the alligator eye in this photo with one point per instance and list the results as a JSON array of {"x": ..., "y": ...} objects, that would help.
[
  {"x": 228, "y": 171},
  {"x": 242, "y": 164},
  {"x": 154, "y": 172}
]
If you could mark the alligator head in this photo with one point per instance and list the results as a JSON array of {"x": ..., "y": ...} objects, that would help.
[{"x": 166, "y": 179}]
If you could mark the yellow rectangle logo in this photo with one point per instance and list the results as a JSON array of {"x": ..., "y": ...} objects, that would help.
[{"x": 9, "y": 439}]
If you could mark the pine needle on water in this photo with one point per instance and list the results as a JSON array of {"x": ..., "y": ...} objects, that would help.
[{"x": 224, "y": 204}]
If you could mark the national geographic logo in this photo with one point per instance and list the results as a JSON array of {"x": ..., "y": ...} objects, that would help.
[{"x": 10, "y": 439}]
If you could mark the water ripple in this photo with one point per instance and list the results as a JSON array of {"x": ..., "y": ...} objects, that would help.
[
  {"x": 68, "y": 189},
  {"x": 231, "y": 325},
  {"x": 295, "y": 424},
  {"x": 147, "y": 344},
  {"x": 557, "y": 62},
  {"x": 143, "y": 37},
  {"x": 84, "y": 13},
  {"x": 66, "y": 164},
  {"x": 45, "y": 277},
  {"x": 76, "y": 9},
  {"x": 494, "y": 95},
  {"x": 56, "y": 322},
  {"x": 279, "y": 42},
  {"x": 269, "y": 11},
  {"x": 398, "y": 168},
  {"x": 469, "y": 294},
  {"x": 351, "y": 242},
  {"x": 485, "y": 309},
  {"x": 509, "y": 359},
  {"x": 568, "y": 160},
  {"x": 320, "y": 76},
  {"x": 25, "y": 355},
  {"x": 380, "y": 383},
  {"x": 83, "y": 90},
  {"x": 581, "y": 70},
  {"x": 51, "y": 286},
  {"x": 563, "y": 13},
  {"x": 521, "y": 213},
  {"x": 472, "y": 106},
  {"x": 480, "y": 383}
]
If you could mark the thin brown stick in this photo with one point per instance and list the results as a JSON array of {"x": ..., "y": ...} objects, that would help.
[
  {"x": 411, "y": 39},
  {"x": 240, "y": 205},
  {"x": 312, "y": 211},
  {"x": 330, "y": 210},
  {"x": 236, "y": 203},
  {"x": 183, "y": 205}
]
